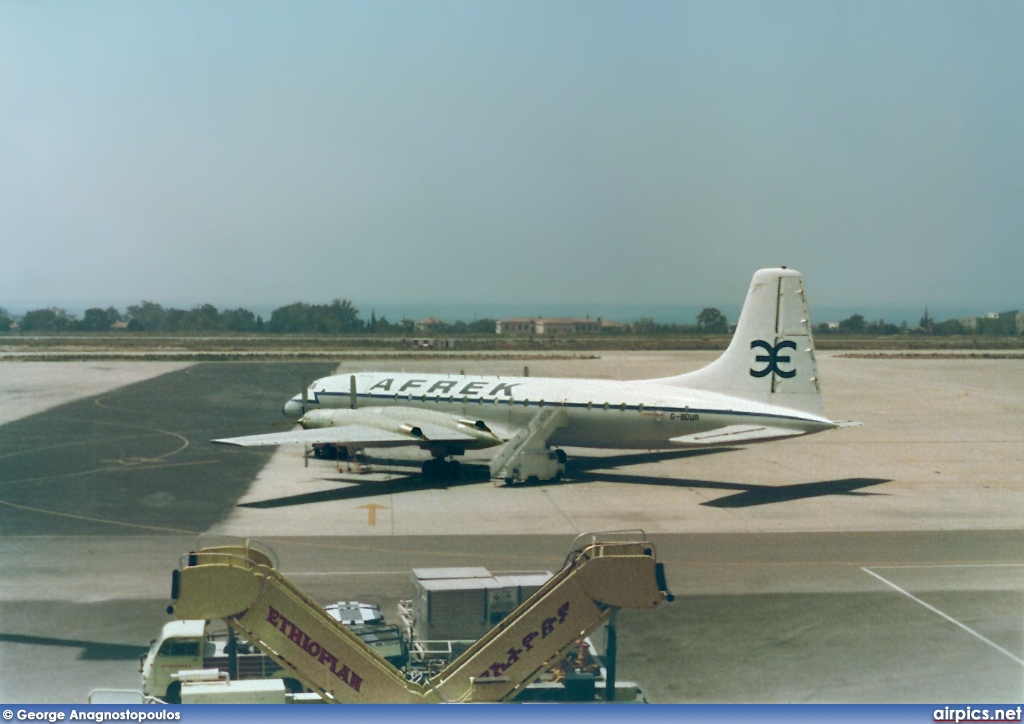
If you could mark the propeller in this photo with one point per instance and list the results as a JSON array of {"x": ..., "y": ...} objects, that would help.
[{"x": 305, "y": 399}]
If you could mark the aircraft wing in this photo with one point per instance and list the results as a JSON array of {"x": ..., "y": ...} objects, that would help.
[
  {"x": 354, "y": 435},
  {"x": 734, "y": 434},
  {"x": 376, "y": 428}
]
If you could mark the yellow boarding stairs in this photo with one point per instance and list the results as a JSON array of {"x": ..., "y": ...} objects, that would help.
[{"x": 240, "y": 585}]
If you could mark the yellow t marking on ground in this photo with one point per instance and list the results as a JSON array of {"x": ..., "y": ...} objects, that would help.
[{"x": 373, "y": 508}]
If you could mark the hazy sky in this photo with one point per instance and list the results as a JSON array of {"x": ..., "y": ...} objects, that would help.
[{"x": 259, "y": 153}]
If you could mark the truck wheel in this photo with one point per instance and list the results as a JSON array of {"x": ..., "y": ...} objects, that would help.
[
  {"x": 173, "y": 695},
  {"x": 293, "y": 686}
]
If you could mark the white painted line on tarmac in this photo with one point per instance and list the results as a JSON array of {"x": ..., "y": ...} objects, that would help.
[
  {"x": 949, "y": 618},
  {"x": 956, "y": 565}
]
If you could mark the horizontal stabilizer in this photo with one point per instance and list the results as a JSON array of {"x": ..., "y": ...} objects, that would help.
[{"x": 735, "y": 434}]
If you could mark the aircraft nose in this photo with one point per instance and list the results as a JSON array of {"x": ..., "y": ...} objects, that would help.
[{"x": 293, "y": 408}]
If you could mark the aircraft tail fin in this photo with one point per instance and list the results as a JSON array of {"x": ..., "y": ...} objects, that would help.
[{"x": 771, "y": 356}]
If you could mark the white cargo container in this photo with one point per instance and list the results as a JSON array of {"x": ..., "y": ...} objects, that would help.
[{"x": 462, "y": 604}]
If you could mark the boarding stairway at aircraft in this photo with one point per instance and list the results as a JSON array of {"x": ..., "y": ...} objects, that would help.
[
  {"x": 526, "y": 455},
  {"x": 239, "y": 584}
]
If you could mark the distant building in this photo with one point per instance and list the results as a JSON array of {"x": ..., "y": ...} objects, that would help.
[
  {"x": 832, "y": 325},
  {"x": 996, "y": 323},
  {"x": 551, "y": 327},
  {"x": 1012, "y": 322},
  {"x": 520, "y": 325},
  {"x": 119, "y": 325},
  {"x": 558, "y": 327}
]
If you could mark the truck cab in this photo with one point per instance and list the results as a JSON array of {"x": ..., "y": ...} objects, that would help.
[
  {"x": 189, "y": 645},
  {"x": 182, "y": 645}
]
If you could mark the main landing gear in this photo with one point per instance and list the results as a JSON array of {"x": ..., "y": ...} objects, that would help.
[{"x": 441, "y": 469}]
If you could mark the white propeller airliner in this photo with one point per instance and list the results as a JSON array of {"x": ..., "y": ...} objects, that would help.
[{"x": 764, "y": 387}]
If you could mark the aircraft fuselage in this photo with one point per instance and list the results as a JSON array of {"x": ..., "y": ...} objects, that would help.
[{"x": 641, "y": 414}]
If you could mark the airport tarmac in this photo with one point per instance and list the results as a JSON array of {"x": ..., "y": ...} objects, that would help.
[{"x": 883, "y": 563}]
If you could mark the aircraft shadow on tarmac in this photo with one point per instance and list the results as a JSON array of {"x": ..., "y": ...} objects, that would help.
[
  {"x": 747, "y": 495},
  {"x": 91, "y": 650}
]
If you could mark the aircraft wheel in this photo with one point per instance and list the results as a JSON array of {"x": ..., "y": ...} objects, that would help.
[
  {"x": 453, "y": 469},
  {"x": 430, "y": 469},
  {"x": 173, "y": 695}
]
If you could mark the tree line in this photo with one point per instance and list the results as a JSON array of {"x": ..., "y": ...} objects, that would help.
[
  {"x": 338, "y": 317},
  {"x": 342, "y": 317},
  {"x": 1004, "y": 324},
  {"x": 709, "y": 321}
]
